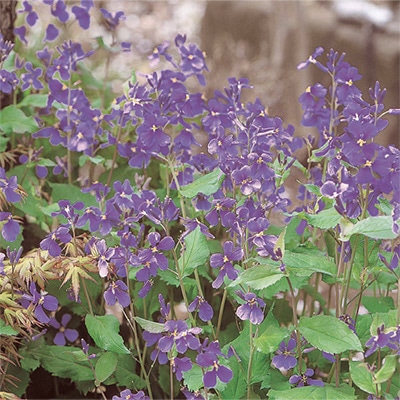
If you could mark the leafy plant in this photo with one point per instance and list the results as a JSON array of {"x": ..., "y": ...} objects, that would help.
[{"x": 138, "y": 264}]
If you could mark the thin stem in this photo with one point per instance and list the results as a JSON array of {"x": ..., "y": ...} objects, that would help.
[
  {"x": 340, "y": 268},
  {"x": 115, "y": 154},
  {"x": 171, "y": 380},
  {"x": 295, "y": 323},
  {"x": 221, "y": 312},
  {"x": 249, "y": 367},
  {"x": 132, "y": 324}
]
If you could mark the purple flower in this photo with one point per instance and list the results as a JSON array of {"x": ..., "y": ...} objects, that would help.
[
  {"x": 305, "y": 379},
  {"x": 244, "y": 177},
  {"x": 85, "y": 349},
  {"x": 251, "y": 309},
  {"x": 128, "y": 395},
  {"x": 348, "y": 321},
  {"x": 179, "y": 334},
  {"x": 199, "y": 304},
  {"x": 224, "y": 262},
  {"x": 192, "y": 224},
  {"x": 68, "y": 211},
  {"x": 104, "y": 255},
  {"x": 209, "y": 359},
  {"x": 10, "y": 228},
  {"x": 31, "y": 16},
  {"x": 312, "y": 60},
  {"x": 31, "y": 78},
  {"x": 51, "y": 33},
  {"x": 286, "y": 355},
  {"x": 2, "y": 255},
  {"x": 179, "y": 365},
  {"x": 9, "y": 187},
  {"x": 196, "y": 395},
  {"x": 50, "y": 244},
  {"x": 41, "y": 302},
  {"x": 63, "y": 333},
  {"x": 380, "y": 340},
  {"x": 117, "y": 291},
  {"x": 112, "y": 21},
  {"x": 82, "y": 15}
]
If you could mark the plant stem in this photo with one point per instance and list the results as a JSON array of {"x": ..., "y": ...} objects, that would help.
[
  {"x": 295, "y": 323},
  {"x": 249, "y": 367},
  {"x": 132, "y": 324},
  {"x": 221, "y": 312}
]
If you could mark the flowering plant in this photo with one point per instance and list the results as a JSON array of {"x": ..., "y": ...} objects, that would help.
[{"x": 139, "y": 263}]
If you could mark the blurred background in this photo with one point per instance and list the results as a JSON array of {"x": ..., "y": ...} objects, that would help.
[{"x": 264, "y": 41}]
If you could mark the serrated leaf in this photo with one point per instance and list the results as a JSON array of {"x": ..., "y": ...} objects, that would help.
[
  {"x": 329, "y": 334},
  {"x": 150, "y": 326},
  {"x": 12, "y": 119},
  {"x": 206, "y": 184},
  {"x": 194, "y": 378},
  {"x": 380, "y": 227},
  {"x": 196, "y": 252},
  {"x": 105, "y": 366},
  {"x": 387, "y": 370},
  {"x": 7, "y": 330},
  {"x": 60, "y": 361},
  {"x": 327, "y": 392},
  {"x": 362, "y": 377},
  {"x": 104, "y": 331},
  {"x": 237, "y": 386},
  {"x": 325, "y": 219},
  {"x": 258, "y": 277}
]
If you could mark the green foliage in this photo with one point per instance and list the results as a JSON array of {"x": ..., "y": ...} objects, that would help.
[
  {"x": 195, "y": 253},
  {"x": 205, "y": 184},
  {"x": 329, "y": 334},
  {"x": 328, "y": 392},
  {"x": 104, "y": 331}
]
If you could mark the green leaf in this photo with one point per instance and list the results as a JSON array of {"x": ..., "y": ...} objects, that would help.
[
  {"x": 35, "y": 100},
  {"x": 387, "y": 370},
  {"x": 237, "y": 386},
  {"x": 329, "y": 334},
  {"x": 125, "y": 372},
  {"x": 60, "y": 361},
  {"x": 378, "y": 304},
  {"x": 196, "y": 252},
  {"x": 206, "y": 184},
  {"x": 305, "y": 261},
  {"x": 325, "y": 219},
  {"x": 64, "y": 191},
  {"x": 270, "y": 340},
  {"x": 362, "y": 377},
  {"x": 327, "y": 392},
  {"x": 258, "y": 277},
  {"x": 105, "y": 366},
  {"x": 95, "y": 160},
  {"x": 19, "y": 386},
  {"x": 150, "y": 326},
  {"x": 7, "y": 330},
  {"x": 275, "y": 380},
  {"x": 12, "y": 119},
  {"x": 374, "y": 227},
  {"x": 104, "y": 331},
  {"x": 194, "y": 378}
]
